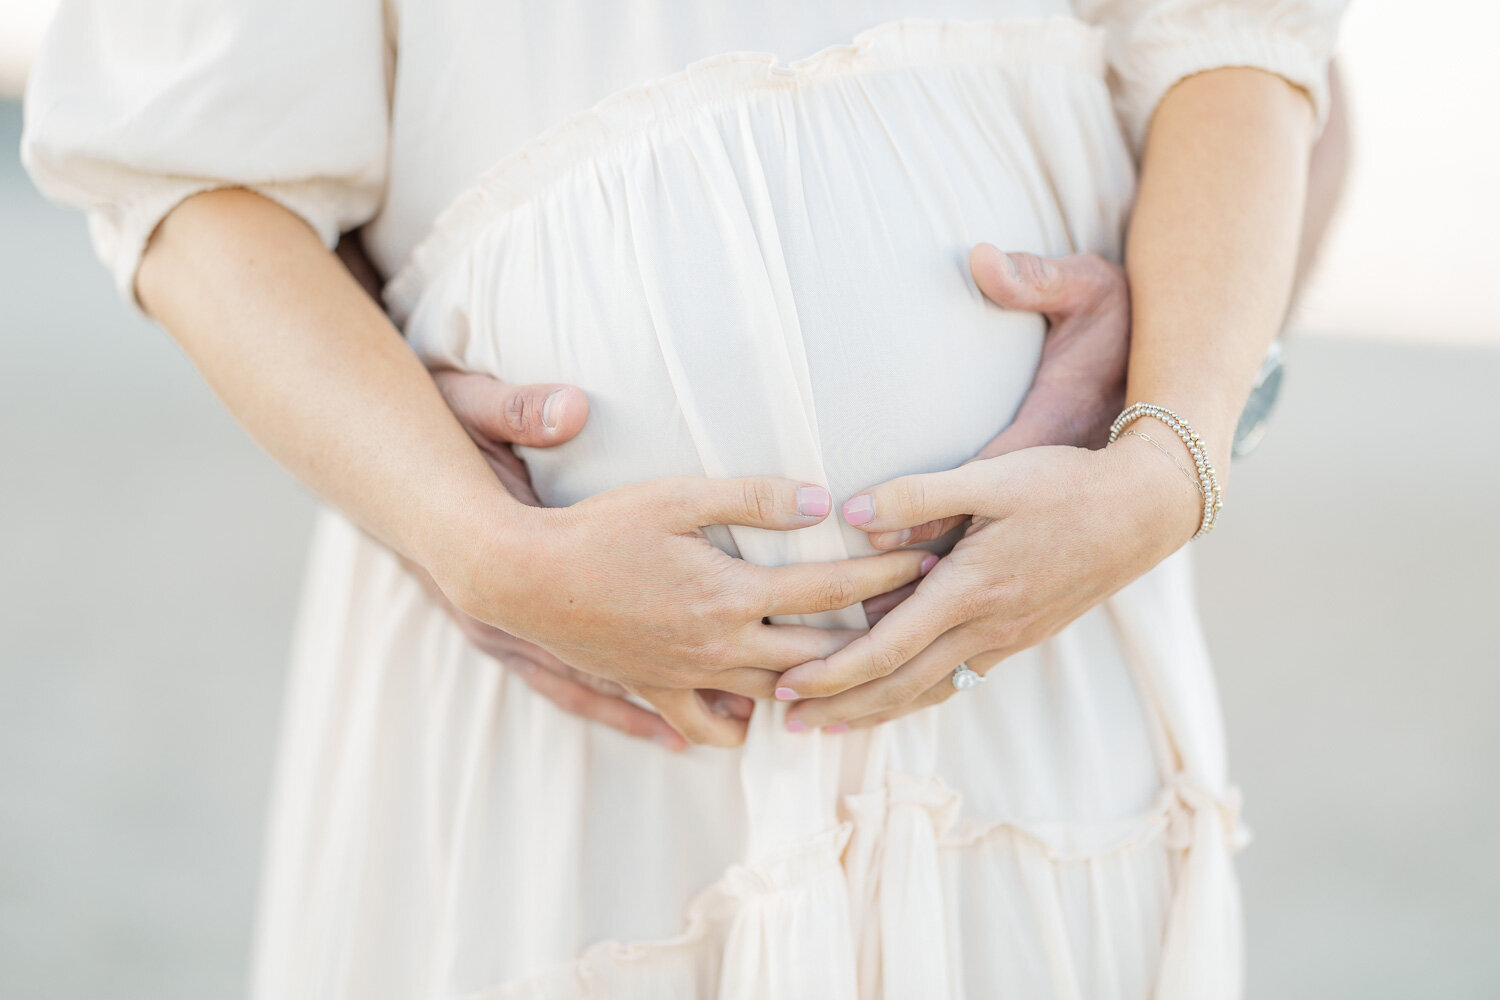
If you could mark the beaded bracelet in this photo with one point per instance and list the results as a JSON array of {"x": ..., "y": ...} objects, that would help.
[{"x": 1208, "y": 482}]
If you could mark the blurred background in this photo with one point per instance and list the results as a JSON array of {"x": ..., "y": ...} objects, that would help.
[{"x": 150, "y": 556}]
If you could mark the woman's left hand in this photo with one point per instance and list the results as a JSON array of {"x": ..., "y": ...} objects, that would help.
[{"x": 1055, "y": 531}]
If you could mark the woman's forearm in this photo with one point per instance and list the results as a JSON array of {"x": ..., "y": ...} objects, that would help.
[
  {"x": 316, "y": 373},
  {"x": 1213, "y": 243},
  {"x": 313, "y": 369},
  {"x": 1054, "y": 531}
]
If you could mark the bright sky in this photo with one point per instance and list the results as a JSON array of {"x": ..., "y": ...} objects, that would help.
[{"x": 1414, "y": 252}]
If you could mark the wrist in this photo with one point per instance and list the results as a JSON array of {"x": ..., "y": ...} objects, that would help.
[
  {"x": 1159, "y": 481},
  {"x": 1212, "y": 419},
  {"x": 480, "y": 561}
]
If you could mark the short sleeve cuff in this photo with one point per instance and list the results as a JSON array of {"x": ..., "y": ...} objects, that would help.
[
  {"x": 120, "y": 233},
  {"x": 1156, "y": 69}
]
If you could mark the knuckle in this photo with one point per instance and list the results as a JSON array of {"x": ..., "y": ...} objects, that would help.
[
  {"x": 761, "y": 685},
  {"x": 671, "y": 487},
  {"x": 1006, "y": 632},
  {"x": 885, "y": 662},
  {"x": 709, "y": 654},
  {"x": 673, "y": 496},
  {"x": 759, "y": 499},
  {"x": 977, "y": 602},
  {"x": 517, "y": 412},
  {"x": 724, "y": 604},
  {"x": 1102, "y": 278},
  {"x": 904, "y": 690},
  {"x": 836, "y": 591},
  {"x": 677, "y": 513},
  {"x": 910, "y": 496},
  {"x": 719, "y": 655},
  {"x": 1035, "y": 273}
]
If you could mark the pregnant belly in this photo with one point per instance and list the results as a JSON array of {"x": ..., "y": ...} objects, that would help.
[{"x": 770, "y": 278}]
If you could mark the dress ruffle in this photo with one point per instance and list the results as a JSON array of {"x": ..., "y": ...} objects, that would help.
[{"x": 885, "y": 861}]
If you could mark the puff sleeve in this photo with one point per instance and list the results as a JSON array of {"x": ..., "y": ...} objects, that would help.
[
  {"x": 134, "y": 105},
  {"x": 1152, "y": 44}
]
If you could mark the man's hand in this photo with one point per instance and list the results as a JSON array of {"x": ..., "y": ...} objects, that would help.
[
  {"x": 497, "y": 415},
  {"x": 1079, "y": 385}
]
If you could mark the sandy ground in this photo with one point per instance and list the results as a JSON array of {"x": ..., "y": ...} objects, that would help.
[{"x": 149, "y": 555}]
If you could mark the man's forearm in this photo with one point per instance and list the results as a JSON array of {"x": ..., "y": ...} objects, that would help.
[
  {"x": 315, "y": 372},
  {"x": 1213, "y": 243}
]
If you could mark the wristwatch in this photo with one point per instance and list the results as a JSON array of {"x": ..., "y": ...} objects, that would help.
[{"x": 1257, "y": 412}]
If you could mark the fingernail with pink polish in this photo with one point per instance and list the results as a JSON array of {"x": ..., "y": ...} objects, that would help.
[
  {"x": 670, "y": 742},
  {"x": 928, "y": 563},
  {"x": 813, "y": 501},
  {"x": 836, "y": 728},
  {"x": 785, "y": 694},
  {"x": 796, "y": 726},
  {"x": 860, "y": 509}
]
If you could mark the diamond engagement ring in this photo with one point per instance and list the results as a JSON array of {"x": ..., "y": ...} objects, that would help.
[{"x": 964, "y": 678}]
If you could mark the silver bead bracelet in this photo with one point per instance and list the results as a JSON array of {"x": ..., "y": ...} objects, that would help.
[{"x": 1208, "y": 482}]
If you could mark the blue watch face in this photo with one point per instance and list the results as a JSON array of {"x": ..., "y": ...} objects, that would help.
[{"x": 1257, "y": 412}]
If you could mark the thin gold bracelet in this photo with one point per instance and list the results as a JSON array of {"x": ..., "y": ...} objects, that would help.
[
  {"x": 1208, "y": 481},
  {"x": 1170, "y": 457}
]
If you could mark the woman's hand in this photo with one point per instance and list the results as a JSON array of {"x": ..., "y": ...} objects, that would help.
[
  {"x": 573, "y": 691},
  {"x": 1079, "y": 384},
  {"x": 1079, "y": 380},
  {"x": 627, "y": 583},
  {"x": 497, "y": 415},
  {"x": 1209, "y": 258},
  {"x": 1055, "y": 531}
]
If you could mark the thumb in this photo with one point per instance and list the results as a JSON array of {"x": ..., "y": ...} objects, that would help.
[
  {"x": 540, "y": 415},
  {"x": 1028, "y": 283}
]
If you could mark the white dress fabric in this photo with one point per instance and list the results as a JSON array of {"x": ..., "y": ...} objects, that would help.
[{"x": 753, "y": 266}]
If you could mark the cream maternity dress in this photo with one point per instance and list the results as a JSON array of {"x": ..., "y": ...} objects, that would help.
[{"x": 754, "y": 264}]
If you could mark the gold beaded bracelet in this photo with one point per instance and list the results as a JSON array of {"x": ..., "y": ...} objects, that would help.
[{"x": 1208, "y": 482}]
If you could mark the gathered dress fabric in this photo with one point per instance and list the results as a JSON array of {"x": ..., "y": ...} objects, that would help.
[{"x": 753, "y": 266}]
